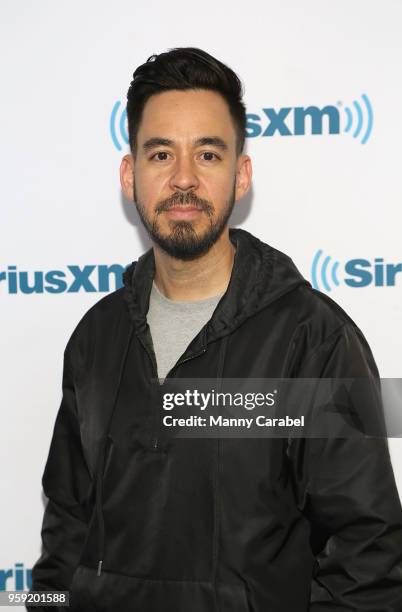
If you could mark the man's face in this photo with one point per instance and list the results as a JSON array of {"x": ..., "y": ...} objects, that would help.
[{"x": 186, "y": 176}]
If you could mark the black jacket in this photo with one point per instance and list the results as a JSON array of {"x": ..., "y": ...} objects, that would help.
[{"x": 208, "y": 525}]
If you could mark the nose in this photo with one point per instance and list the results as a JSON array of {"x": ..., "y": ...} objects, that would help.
[{"x": 184, "y": 176}]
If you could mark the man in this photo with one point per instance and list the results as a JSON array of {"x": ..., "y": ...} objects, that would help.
[{"x": 139, "y": 520}]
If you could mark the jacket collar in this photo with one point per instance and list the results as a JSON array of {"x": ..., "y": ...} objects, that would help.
[{"x": 260, "y": 275}]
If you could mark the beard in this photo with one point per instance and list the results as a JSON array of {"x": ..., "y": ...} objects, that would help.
[{"x": 183, "y": 242}]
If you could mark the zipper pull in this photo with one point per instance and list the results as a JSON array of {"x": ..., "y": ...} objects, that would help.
[
  {"x": 155, "y": 444},
  {"x": 99, "y": 568}
]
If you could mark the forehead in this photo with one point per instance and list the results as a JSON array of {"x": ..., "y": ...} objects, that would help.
[{"x": 188, "y": 114}]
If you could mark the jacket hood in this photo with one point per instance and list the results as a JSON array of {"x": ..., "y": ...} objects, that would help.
[{"x": 261, "y": 274}]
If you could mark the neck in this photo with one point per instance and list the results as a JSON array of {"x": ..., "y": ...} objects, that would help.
[{"x": 198, "y": 279}]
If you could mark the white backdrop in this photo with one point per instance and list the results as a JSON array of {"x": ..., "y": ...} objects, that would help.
[{"x": 64, "y": 67}]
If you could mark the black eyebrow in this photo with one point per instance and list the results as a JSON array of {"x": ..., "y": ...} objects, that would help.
[{"x": 157, "y": 141}]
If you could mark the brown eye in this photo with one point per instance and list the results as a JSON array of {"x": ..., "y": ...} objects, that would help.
[
  {"x": 159, "y": 153},
  {"x": 210, "y": 153}
]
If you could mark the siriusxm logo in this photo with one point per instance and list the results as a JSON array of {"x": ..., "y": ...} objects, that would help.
[
  {"x": 75, "y": 278},
  {"x": 301, "y": 120},
  {"x": 357, "y": 272},
  {"x": 17, "y": 578},
  {"x": 356, "y": 120}
]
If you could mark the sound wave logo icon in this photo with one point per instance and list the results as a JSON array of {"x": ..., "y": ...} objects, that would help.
[
  {"x": 324, "y": 272},
  {"x": 355, "y": 123},
  {"x": 117, "y": 126}
]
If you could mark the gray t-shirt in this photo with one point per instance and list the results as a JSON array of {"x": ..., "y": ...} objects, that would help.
[{"x": 174, "y": 324}]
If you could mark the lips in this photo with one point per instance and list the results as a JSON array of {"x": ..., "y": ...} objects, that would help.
[
  {"x": 183, "y": 211},
  {"x": 182, "y": 208}
]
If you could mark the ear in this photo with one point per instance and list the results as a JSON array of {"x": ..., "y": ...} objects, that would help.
[
  {"x": 127, "y": 177},
  {"x": 244, "y": 175}
]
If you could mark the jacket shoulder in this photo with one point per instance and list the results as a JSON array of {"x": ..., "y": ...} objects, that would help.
[
  {"x": 110, "y": 305},
  {"x": 320, "y": 324},
  {"x": 104, "y": 321},
  {"x": 107, "y": 308},
  {"x": 320, "y": 308}
]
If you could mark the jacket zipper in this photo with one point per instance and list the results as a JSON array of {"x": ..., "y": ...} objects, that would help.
[{"x": 155, "y": 440}]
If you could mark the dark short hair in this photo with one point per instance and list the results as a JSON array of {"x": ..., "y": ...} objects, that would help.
[{"x": 184, "y": 68}]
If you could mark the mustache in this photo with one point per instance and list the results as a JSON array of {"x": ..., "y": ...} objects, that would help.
[{"x": 184, "y": 199}]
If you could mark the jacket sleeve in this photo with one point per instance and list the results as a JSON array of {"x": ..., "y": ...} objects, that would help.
[
  {"x": 67, "y": 485},
  {"x": 351, "y": 499}
]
